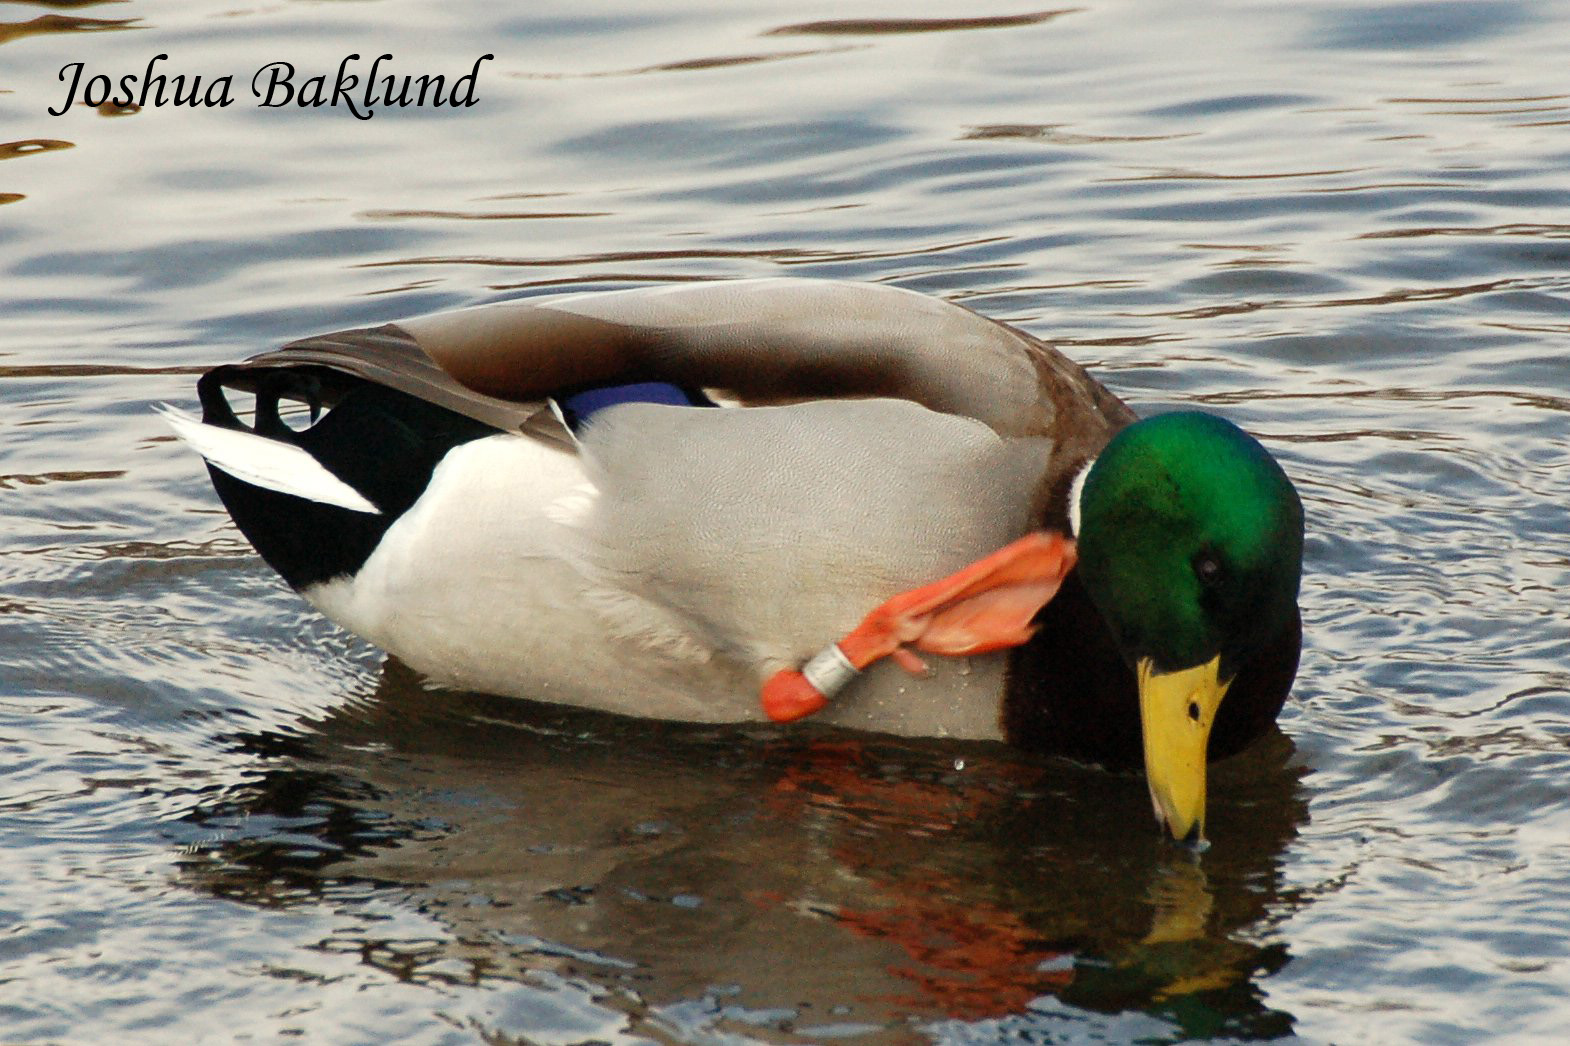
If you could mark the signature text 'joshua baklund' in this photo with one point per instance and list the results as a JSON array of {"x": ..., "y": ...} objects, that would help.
[{"x": 274, "y": 85}]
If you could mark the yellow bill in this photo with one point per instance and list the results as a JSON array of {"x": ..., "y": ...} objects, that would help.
[{"x": 1176, "y": 711}]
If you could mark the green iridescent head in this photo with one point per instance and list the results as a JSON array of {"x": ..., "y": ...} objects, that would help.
[{"x": 1190, "y": 541}]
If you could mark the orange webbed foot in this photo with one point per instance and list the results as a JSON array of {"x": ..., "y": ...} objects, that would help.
[{"x": 986, "y": 606}]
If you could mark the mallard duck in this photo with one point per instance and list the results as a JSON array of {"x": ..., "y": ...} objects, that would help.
[{"x": 669, "y": 501}]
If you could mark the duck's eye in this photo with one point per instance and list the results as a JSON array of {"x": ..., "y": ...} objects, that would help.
[{"x": 1207, "y": 568}]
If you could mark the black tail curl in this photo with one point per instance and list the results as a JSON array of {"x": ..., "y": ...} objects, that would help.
[{"x": 384, "y": 443}]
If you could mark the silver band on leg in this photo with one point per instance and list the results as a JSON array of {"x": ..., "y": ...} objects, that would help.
[{"x": 829, "y": 671}]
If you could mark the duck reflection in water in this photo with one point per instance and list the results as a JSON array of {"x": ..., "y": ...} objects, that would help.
[{"x": 807, "y": 872}]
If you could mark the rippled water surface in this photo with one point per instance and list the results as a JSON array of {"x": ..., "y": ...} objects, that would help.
[{"x": 1343, "y": 225}]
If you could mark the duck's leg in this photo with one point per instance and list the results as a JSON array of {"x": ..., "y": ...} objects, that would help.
[{"x": 986, "y": 606}]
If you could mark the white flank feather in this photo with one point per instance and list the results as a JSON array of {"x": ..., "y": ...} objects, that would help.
[{"x": 264, "y": 463}]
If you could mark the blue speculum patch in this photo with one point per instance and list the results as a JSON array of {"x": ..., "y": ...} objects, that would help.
[{"x": 580, "y": 407}]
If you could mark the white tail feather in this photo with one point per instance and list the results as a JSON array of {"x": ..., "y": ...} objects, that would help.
[{"x": 264, "y": 462}]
